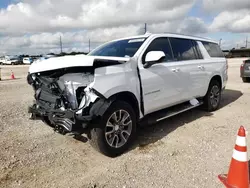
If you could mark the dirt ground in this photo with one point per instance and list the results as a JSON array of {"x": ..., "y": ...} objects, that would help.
[{"x": 188, "y": 150}]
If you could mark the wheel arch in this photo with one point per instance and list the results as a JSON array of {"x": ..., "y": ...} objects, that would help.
[
  {"x": 130, "y": 98},
  {"x": 217, "y": 78}
]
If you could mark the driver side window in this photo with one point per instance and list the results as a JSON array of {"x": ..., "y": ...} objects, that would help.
[{"x": 160, "y": 44}]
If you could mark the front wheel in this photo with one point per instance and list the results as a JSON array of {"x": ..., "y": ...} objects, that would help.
[
  {"x": 115, "y": 131},
  {"x": 213, "y": 97}
]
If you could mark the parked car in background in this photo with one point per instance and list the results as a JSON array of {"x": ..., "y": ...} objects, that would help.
[
  {"x": 10, "y": 60},
  {"x": 127, "y": 82},
  {"x": 2, "y": 59},
  {"x": 27, "y": 60},
  {"x": 245, "y": 71}
]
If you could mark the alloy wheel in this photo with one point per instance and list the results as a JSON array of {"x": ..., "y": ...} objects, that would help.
[
  {"x": 118, "y": 128},
  {"x": 215, "y": 96}
]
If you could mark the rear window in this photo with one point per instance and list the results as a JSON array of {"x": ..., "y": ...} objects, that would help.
[{"x": 213, "y": 49}]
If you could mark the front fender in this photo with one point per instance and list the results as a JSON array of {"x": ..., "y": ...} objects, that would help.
[{"x": 115, "y": 79}]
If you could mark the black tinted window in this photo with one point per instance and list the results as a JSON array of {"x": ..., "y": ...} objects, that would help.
[
  {"x": 213, "y": 49},
  {"x": 161, "y": 44},
  {"x": 182, "y": 49}
]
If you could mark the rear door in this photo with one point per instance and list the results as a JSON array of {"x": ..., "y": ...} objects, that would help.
[{"x": 189, "y": 62}]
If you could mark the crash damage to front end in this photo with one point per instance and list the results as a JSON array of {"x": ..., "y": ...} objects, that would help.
[{"x": 65, "y": 98}]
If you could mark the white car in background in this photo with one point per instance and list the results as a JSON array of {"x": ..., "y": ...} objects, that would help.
[
  {"x": 9, "y": 60},
  {"x": 27, "y": 60},
  {"x": 127, "y": 82}
]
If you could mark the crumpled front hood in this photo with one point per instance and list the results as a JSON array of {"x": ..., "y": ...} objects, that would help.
[{"x": 69, "y": 61}]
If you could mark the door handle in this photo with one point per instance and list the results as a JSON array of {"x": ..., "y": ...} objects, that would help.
[
  {"x": 201, "y": 67},
  {"x": 175, "y": 70}
]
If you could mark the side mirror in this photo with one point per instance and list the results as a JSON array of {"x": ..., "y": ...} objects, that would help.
[{"x": 153, "y": 57}]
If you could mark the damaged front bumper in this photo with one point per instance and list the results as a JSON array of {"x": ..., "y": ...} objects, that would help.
[{"x": 93, "y": 107}]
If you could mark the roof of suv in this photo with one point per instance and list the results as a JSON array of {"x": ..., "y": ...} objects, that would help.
[{"x": 170, "y": 35}]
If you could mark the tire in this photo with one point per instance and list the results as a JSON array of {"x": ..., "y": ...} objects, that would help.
[
  {"x": 213, "y": 97},
  {"x": 112, "y": 144},
  {"x": 245, "y": 80}
]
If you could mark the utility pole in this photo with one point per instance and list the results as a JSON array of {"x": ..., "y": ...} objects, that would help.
[
  {"x": 246, "y": 41},
  {"x": 61, "y": 43},
  {"x": 89, "y": 45},
  {"x": 220, "y": 42},
  {"x": 145, "y": 28}
]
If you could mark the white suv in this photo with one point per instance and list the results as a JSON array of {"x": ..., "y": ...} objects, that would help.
[{"x": 126, "y": 82}]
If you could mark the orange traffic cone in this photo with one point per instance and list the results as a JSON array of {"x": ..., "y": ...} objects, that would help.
[
  {"x": 238, "y": 174},
  {"x": 12, "y": 75}
]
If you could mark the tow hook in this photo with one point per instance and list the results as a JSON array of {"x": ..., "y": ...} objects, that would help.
[{"x": 32, "y": 116}]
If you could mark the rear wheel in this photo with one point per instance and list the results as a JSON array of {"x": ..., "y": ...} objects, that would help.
[
  {"x": 115, "y": 131},
  {"x": 244, "y": 79},
  {"x": 213, "y": 97}
]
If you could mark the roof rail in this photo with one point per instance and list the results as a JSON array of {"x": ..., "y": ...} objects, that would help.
[{"x": 188, "y": 35}]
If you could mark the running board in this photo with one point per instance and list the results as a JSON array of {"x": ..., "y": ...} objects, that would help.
[
  {"x": 175, "y": 112},
  {"x": 169, "y": 112}
]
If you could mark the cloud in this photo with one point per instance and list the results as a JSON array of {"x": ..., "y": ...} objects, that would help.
[
  {"x": 78, "y": 40},
  {"x": 50, "y": 16},
  {"x": 237, "y": 21},
  {"x": 193, "y": 25},
  {"x": 233, "y": 16},
  {"x": 230, "y": 5},
  {"x": 35, "y": 26}
]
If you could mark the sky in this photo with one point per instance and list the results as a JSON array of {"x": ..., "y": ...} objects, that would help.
[{"x": 35, "y": 26}]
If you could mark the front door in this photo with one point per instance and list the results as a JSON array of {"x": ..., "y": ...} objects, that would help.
[{"x": 161, "y": 83}]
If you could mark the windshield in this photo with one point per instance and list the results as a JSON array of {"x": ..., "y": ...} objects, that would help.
[{"x": 121, "y": 48}]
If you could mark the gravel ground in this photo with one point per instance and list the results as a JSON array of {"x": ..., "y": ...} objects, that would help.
[{"x": 188, "y": 150}]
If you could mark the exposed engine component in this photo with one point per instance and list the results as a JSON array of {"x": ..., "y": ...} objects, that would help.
[
  {"x": 69, "y": 83},
  {"x": 59, "y": 98}
]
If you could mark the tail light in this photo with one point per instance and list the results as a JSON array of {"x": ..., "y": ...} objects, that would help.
[{"x": 242, "y": 65}]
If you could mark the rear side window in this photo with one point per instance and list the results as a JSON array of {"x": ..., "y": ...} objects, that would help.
[
  {"x": 161, "y": 44},
  {"x": 183, "y": 49},
  {"x": 213, "y": 49}
]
